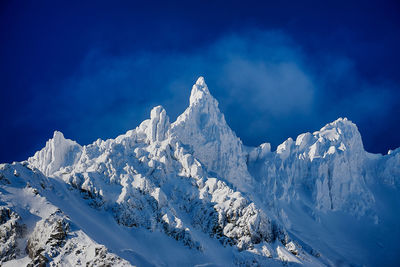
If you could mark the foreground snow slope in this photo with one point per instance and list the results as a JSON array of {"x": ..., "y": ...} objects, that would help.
[{"x": 190, "y": 193}]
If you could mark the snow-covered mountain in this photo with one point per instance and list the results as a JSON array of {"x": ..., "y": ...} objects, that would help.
[{"x": 189, "y": 193}]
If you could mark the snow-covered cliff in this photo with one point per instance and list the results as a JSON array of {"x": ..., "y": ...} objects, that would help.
[{"x": 190, "y": 193}]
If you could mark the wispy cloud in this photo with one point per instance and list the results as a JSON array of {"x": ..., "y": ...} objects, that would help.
[{"x": 267, "y": 86}]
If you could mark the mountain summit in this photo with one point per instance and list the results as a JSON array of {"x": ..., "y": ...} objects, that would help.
[
  {"x": 203, "y": 127},
  {"x": 189, "y": 193},
  {"x": 200, "y": 92}
]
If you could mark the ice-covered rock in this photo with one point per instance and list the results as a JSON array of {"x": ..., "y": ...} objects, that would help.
[
  {"x": 40, "y": 234},
  {"x": 159, "y": 124},
  {"x": 194, "y": 185},
  {"x": 11, "y": 230},
  {"x": 56, "y": 242},
  {"x": 203, "y": 127},
  {"x": 330, "y": 163},
  {"x": 58, "y": 152},
  {"x": 259, "y": 152}
]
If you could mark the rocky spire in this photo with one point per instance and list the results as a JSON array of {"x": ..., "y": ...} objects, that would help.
[
  {"x": 58, "y": 152},
  {"x": 159, "y": 124},
  {"x": 199, "y": 91},
  {"x": 203, "y": 127}
]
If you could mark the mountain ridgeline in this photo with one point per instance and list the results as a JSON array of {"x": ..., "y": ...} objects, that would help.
[{"x": 190, "y": 193}]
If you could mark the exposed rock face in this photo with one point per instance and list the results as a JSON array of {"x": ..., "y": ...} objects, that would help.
[
  {"x": 11, "y": 230},
  {"x": 52, "y": 242},
  {"x": 104, "y": 258},
  {"x": 42, "y": 233},
  {"x": 140, "y": 167},
  {"x": 47, "y": 238},
  {"x": 193, "y": 183}
]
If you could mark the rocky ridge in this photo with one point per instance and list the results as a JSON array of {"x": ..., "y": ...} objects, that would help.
[{"x": 195, "y": 182}]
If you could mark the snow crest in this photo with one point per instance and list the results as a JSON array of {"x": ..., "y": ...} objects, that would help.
[
  {"x": 203, "y": 127},
  {"x": 58, "y": 152},
  {"x": 195, "y": 186},
  {"x": 330, "y": 163}
]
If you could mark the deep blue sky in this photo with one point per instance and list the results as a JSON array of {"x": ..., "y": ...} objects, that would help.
[{"x": 278, "y": 69}]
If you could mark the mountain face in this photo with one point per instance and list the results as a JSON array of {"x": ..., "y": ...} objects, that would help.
[{"x": 189, "y": 193}]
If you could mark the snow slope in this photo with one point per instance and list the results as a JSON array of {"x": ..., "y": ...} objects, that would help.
[{"x": 190, "y": 193}]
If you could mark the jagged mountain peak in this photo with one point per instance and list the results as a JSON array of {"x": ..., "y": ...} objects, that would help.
[
  {"x": 202, "y": 126},
  {"x": 341, "y": 132},
  {"x": 194, "y": 182},
  {"x": 341, "y": 126},
  {"x": 199, "y": 91},
  {"x": 201, "y": 81},
  {"x": 339, "y": 135},
  {"x": 58, "y": 135},
  {"x": 57, "y": 153},
  {"x": 203, "y": 110}
]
